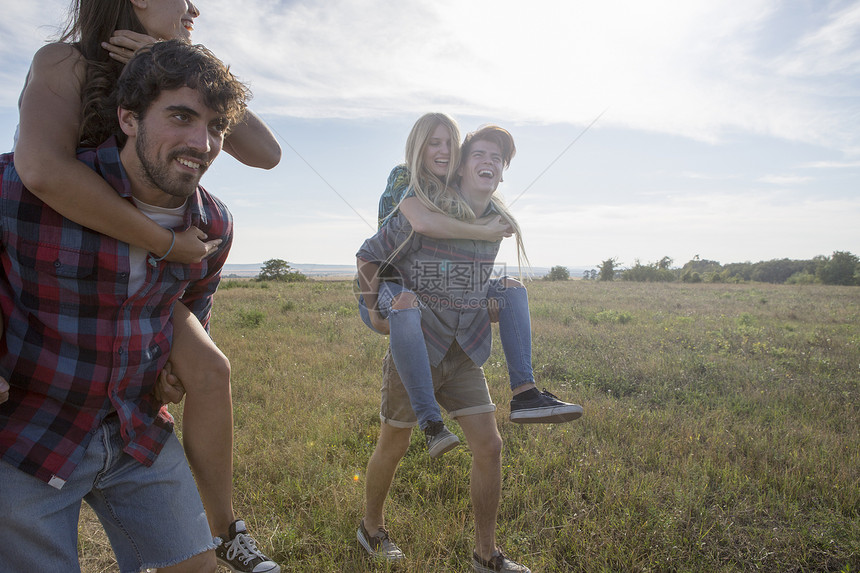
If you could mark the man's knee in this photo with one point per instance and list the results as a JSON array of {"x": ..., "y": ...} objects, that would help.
[
  {"x": 489, "y": 449},
  {"x": 393, "y": 441},
  {"x": 212, "y": 374},
  {"x": 482, "y": 435}
]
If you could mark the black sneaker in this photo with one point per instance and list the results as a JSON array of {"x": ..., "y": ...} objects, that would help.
[
  {"x": 380, "y": 545},
  {"x": 240, "y": 553},
  {"x": 498, "y": 563},
  {"x": 542, "y": 408},
  {"x": 439, "y": 439}
]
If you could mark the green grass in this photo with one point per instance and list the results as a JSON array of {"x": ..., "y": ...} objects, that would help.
[{"x": 721, "y": 432}]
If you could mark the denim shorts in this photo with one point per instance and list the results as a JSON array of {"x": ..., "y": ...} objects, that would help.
[{"x": 153, "y": 516}]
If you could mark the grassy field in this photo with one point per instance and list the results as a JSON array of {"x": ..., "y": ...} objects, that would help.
[{"x": 721, "y": 432}]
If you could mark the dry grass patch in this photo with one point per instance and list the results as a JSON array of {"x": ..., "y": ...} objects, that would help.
[{"x": 721, "y": 432}]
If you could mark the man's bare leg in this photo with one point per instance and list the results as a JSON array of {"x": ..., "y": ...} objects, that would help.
[
  {"x": 390, "y": 449},
  {"x": 484, "y": 440}
]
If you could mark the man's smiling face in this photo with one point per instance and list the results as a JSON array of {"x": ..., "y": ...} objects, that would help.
[
  {"x": 481, "y": 169},
  {"x": 175, "y": 142}
]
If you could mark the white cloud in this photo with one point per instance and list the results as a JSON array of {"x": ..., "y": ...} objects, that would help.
[
  {"x": 695, "y": 69},
  {"x": 833, "y": 165},
  {"x": 784, "y": 179},
  {"x": 24, "y": 28},
  {"x": 309, "y": 238},
  {"x": 832, "y": 49}
]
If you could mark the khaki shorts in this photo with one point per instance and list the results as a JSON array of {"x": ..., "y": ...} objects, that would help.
[{"x": 459, "y": 385}]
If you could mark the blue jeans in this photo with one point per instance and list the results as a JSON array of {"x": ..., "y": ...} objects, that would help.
[
  {"x": 408, "y": 345},
  {"x": 408, "y": 350},
  {"x": 515, "y": 331},
  {"x": 153, "y": 516}
]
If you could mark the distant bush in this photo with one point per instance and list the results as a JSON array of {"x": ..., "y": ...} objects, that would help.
[
  {"x": 251, "y": 318},
  {"x": 777, "y": 271},
  {"x": 610, "y": 316},
  {"x": 650, "y": 273},
  {"x": 557, "y": 273},
  {"x": 842, "y": 268},
  {"x": 801, "y": 278},
  {"x": 279, "y": 270},
  {"x": 608, "y": 269}
]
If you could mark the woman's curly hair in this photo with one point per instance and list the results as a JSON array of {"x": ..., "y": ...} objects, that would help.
[{"x": 88, "y": 24}]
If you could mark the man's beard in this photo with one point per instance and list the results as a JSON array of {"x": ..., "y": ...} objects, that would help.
[{"x": 159, "y": 174}]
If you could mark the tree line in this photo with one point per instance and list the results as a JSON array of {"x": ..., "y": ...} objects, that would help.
[{"x": 840, "y": 268}]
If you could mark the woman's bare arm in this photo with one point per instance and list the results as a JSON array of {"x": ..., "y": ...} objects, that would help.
[
  {"x": 441, "y": 226},
  {"x": 45, "y": 158},
  {"x": 253, "y": 143}
]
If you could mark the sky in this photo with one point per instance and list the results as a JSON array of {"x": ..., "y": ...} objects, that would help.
[{"x": 723, "y": 129}]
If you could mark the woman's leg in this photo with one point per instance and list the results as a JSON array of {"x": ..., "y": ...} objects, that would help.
[
  {"x": 515, "y": 331},
  {"x": 409, "y": 352},
  {"x": 207, "y": 436},
  {"x": 207, "y": 420},
  {"x": 399, "y": 306},
  {"x": 528, "y": 406}
]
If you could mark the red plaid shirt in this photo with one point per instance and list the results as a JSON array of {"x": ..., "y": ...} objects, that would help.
[{"x": 76, "y": 346}]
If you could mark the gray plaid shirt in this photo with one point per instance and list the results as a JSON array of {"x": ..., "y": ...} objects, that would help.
[{"x": 450, "y": 278}]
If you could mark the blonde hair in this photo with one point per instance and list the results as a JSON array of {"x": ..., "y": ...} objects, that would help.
[
  {"x": 440, "y": 196},
  {"x": 435, "y": 193}
]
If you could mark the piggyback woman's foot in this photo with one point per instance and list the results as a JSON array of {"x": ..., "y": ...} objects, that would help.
[{"x": 536, "y": 407}]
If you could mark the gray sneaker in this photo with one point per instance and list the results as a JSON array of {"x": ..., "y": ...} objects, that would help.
[
  {"x": 239, "y": 553},
  {"x": 380, "y": 545},
  {"x": 498, "y": 563},
  {"x": 439, "y": 439}
]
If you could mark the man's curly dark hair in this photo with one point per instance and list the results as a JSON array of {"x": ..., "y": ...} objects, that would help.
[{"x": 171, "y": 65}]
